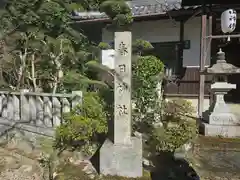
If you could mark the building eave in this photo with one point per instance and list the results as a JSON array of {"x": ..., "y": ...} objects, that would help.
[
  {"x": 139, "y": 9},
  {"x": 155, "y": 16}
]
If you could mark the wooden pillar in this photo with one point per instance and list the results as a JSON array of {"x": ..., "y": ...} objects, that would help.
[
  {"x": 182, "y": 24},
  {"x": 210, "y": 29},
  {"x": 202, "y": 63}
]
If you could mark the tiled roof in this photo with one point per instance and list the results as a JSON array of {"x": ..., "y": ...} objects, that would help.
[{"x": 138, "y": 7}]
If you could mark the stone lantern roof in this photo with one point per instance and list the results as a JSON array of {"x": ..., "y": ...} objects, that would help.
[{"x": 222, "y": 67}]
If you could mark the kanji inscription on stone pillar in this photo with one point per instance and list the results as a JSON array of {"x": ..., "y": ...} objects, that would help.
[{"x": 122, "y": 84}]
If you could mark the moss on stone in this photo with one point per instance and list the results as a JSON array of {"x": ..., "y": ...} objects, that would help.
[
  {"x": 217, "y": 143},
  {"x": 216, "y": 157},
  {"x": 74, "y": 172}
]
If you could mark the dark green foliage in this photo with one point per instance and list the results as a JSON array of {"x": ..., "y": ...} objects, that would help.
[
  {"x": 82, "y": 126},
  {"x": 119, "y": 12},
  {"x": 37, "y": 37},
  {"x": 150, "y": 110},
  {"x": 41, "y": 30},
  {"x": 50, "y": 15},
  {"x": 140, "y": 46},
  {"x": 146, "y": 75},
  {"x": 114, "y": 8},
  {"x": 91, "y": 4},
  {"x": 104, "y": 46}
]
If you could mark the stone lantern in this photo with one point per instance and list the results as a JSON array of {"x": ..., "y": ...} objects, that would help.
[{"x": 218, "y": 120}]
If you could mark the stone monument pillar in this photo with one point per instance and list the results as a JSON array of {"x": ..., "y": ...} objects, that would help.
[
  {"x": 218, "y": 119},
  {"x": 122, "y": 88},
  {"x": 122, "y": 154}
]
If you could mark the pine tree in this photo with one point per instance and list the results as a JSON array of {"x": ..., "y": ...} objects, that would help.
[
  {"x": 121, "y": 19},
  {"x": 41, "y": 50}
]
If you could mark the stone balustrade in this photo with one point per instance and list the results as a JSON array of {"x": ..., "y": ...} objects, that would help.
[{"x": 36, "y": 111}]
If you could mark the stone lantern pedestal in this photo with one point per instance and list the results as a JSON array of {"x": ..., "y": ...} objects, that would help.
[{"x": 218, "y": 120}]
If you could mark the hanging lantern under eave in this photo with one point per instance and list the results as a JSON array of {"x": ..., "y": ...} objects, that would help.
[{"x": 228, "y": 21}]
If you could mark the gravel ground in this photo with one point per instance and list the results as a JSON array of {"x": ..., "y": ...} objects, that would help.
[{"x": 17, "y": 167}]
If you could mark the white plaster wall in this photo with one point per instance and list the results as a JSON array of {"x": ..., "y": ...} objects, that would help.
[
  {"x": 192, "y": 32},
  {"x": 168, "y": 30},
  {"x": 235, "y": 108},
  {"x": 194, "y": 103}
]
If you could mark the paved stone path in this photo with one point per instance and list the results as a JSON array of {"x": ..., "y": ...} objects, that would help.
[{"x": 217, "y": 158}]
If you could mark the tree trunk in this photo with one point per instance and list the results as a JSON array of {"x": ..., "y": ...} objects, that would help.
[
  {"x": 59, "y": 73},
  {"x": 21, "y": 68},
  {"x": 33, "y": 73},
  {"x": 55, "y": 84}
]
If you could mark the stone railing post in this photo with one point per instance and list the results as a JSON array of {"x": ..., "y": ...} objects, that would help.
[
  {"x": 56, "y": 111},
  {"x": 76, "y": 98},
  {"x": 1, "y": 103},
  {"x": 16, "y": 107},
  {"x": 48, "y": 108},
  {"x": 24, "y": 106},
  {"x": 5, "y": 106}
]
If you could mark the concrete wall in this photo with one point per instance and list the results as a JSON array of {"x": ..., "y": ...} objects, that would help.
[{"x": 165, "y": 31}]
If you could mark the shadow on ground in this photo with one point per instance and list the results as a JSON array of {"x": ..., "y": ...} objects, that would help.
[{"x": 168, "y": 167}]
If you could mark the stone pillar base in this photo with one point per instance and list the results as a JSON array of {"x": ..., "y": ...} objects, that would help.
[
  {"x": 223, "y": 119},
  {"x": 227, "y": 131},
  {"x": 121, "y": 159}
]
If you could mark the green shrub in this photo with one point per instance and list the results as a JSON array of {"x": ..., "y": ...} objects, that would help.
[
  {"x": 175, "y": 115},
  {"x": 82, "y": 126},
  {"x": 178, "y": 108},
  {"x": 146, "y": 76},
  {"x": 178, "y": 128},
  {"x": 119, "y": 13},
  {"x": 104, "y": 46},
  {"x": 140, "y": 46}
]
